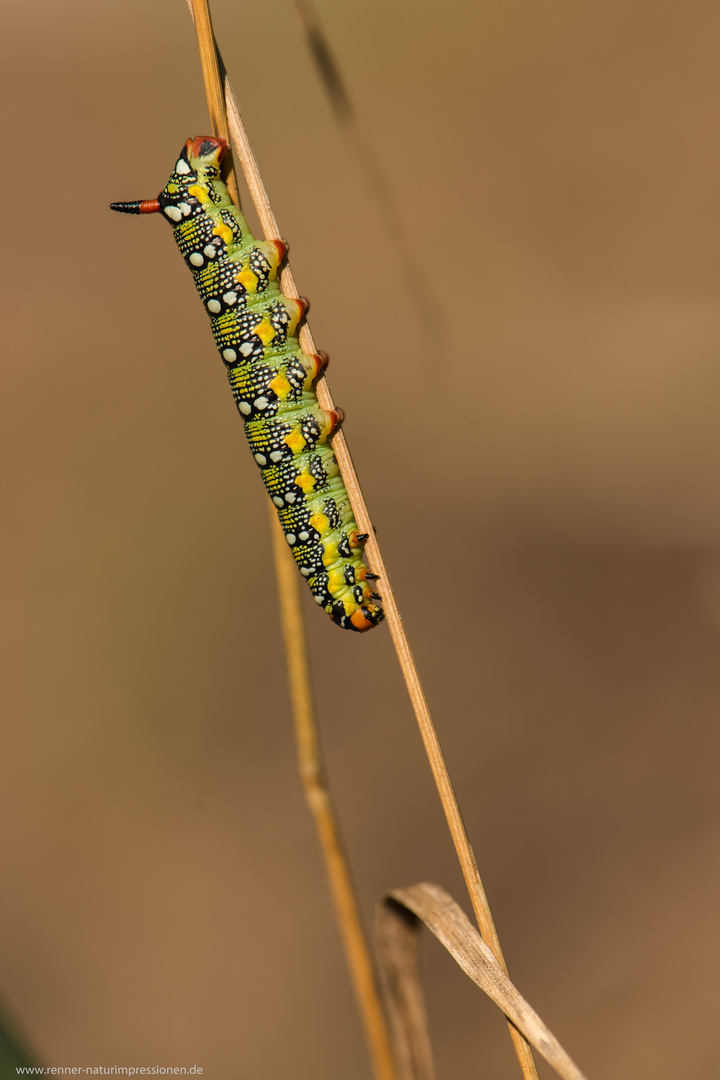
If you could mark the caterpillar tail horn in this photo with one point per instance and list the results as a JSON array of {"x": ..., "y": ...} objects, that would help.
[{"x": 140, "y": 206}]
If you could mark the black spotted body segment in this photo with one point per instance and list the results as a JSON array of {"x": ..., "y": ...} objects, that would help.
[{"x": 272, "y": 380}]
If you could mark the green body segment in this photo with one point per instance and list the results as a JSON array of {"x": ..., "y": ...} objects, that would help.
[{"x": 272, "y": 381}]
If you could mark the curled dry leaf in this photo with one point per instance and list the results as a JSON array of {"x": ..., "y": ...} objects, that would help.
[{"x": 400, "y": 915}]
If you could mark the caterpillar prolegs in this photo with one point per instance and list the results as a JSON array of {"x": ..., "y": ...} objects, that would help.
[{"x": 272, "y": 380}]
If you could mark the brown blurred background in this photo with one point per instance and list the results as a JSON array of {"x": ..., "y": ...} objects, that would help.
[{"x": 545, "y": 483}]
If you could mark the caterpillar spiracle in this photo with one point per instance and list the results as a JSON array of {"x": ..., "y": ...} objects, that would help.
[{"x": 272, "y": 379}]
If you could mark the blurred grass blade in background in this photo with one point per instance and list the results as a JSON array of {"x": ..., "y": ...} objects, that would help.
[{"x": 346, "y": 117}]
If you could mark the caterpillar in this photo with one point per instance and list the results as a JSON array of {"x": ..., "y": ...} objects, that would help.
[{"x": 272, "y": 379}]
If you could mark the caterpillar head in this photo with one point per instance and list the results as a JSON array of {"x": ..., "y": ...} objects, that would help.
[{"x": 192, "y": 182}]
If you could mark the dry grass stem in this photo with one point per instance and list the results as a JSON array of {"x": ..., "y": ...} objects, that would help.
[
  {"x": 314, "y": 782},
  {"x": 399, "y": 918},
  {"x": 213, "y": 78},
  {"x": 433, "y": 750},
  {"x": 309, "y": 753},
  {"x": 210, "y": 68}
]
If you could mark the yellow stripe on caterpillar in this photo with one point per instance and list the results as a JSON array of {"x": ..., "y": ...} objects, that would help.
[
  {"x": 200, "y": 193},
  {"x": 305, "y": 481},
  {"x": 281, "y": 388},
  {"x": 265, "y": 331},
  {"x": 296, "y": 441},
  {"x": 225, "y": 233},
  {"x": 247, "y": 279},
  {"x": 336, "y": 581},
  {"x": 320, "y": 522}
]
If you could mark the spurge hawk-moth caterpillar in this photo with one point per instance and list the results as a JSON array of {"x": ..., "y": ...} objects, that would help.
[{"x": 272, "y": 379}]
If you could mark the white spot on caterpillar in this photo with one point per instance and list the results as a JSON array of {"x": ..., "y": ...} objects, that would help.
[
  {"x": 318, "y": 599},
  {"x": 229, "y": 355},
  {"x": 173, "y": 213},
  {"x": 290, "y": 497},
  {"x": 278, "y": 501},
  {"x": 246, "y": 409},
  {"x": 261, "y": 459},
  {"x": 246, "y": 349},
  {"x": 230, "y": 298},
  {"x": 261, "y": 403},
  {"x": 304, "y": 535},
  {"x": 182, "y": 167},
  {"x": 210, "y": 250},
  {"x": 305, "y": 572},
  {"x": 291, "y": 538},
  {"x": 196, "y": 259},
  {"x": 276, "y": 455},
  {"x": 214, "y": 306},
  {"x": 184, "y": 208}
]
